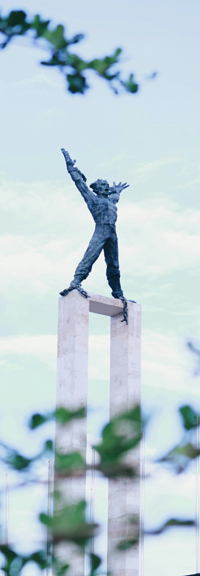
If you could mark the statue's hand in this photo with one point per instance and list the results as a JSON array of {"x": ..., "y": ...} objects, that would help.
[
  {"x": 70, "y": 164},
  {"x": 68, "y": 157},
  {"x": 118, "y": 187}
]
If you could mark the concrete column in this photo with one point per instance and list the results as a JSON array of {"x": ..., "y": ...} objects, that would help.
[
  {"x": 72, "y": 383},
  {"x": 125, "y": 390},
  {"x": 72, "y": 366}
]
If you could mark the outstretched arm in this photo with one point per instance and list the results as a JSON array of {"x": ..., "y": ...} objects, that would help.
[
  {"x": 115, "y": 191},
  {"x": 77, "y": 176}
]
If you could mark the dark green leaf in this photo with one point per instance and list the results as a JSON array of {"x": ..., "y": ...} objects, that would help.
[
  {"x": 102, "y": 65},
  {"x": 68, "y": 463},
  {"x": 36, "y": 420},
  {"x": 12, "y": 560},
  {"x": 123, "y": 433},
  {"x": 117, "y": 469},
  {"x": 14, "y": 24},
  {"x": 17, "y": 461},
  {"x": 127, "y": 544},
  {"x": 173, "y": 522},
  {"x": 189, "y": 417},
  {"x": 54, "y": 61},
  {"x": 39, "y": 25},
  {"x": 68, "y": 524},
  {"x": 77, "y": 83},
  {"x": 134, "y": 415},
  {"x": 8, "y": 552},
  {"x": 49, "y": 446},
  {"x": 64, "y": 416},
  {"x": 180, "y": 456},
  {"x": 130, "y": 85},
  {"x": 95, "y": 563},
  {"x": 16, "y": 17},
  {"x": 60, "y": 569},
  {"x": 77, "y": 38},
  {"x": 56, "y": 37},
  {"x": 39, "y": 558}
]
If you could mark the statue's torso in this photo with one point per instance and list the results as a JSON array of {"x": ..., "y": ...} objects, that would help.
[{"x": 104, "y": 211}]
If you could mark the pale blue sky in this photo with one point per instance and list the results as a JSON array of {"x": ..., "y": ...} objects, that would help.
[{"x": 150, "y": 140}]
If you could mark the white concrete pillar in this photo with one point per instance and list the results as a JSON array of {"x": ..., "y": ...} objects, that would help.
[
  {"x": 72, "y": 366},
  {"x": 72, "y": 383},
  {"x": 125, "y": 391}
]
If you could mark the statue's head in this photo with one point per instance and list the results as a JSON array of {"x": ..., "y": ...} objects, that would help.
[{"x": 100, "y": 187}]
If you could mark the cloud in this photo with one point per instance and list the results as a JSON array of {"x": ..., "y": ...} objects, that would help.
[
  {"x": 165, "y": 363},
  {"x": 118, "y": 159},
  {"x": 42, "y": 347},
  {"x": 143, "y": 171},
  {"x": 160, "y": 239},
  {"x": 41, "y": 81}
]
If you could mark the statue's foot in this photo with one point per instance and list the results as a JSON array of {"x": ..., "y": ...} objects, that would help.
[
  {"x": 74, "y": 286},
  {"x": 125, "y": 310},
  {"x": 66, "y": 291},
  {"x": 81, "y": 291}
]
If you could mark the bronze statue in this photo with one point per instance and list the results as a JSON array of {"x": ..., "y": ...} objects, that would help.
[{"x": 101, "y": 201}]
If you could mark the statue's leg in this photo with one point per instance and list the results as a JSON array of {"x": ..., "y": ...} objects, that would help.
[
  {"x": 112, "y": 262},
  {"x": 113, "y": 272},
  {"x": 85, "y": 266},
  {"x": 92, "y": 253}
]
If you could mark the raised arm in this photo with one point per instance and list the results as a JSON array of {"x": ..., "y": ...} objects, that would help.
[
  {"x": 78, "y": 177},
  {"x": 115, "y": 191}
]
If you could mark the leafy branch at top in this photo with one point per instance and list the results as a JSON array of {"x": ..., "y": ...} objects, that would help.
[{"x": 74, "y": 68}]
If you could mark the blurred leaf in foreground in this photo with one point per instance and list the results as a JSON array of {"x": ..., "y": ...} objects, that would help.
[
  {"x": 69, "y": 524},
  {"x": 189, "y": 417},
  {"x": 61, "y": 415},
  {"x": 69, "y": 464},
  {"x": 180, "y": 457},
  {"x": 15, "y": 562},
  {"x": 172, "y": 523},
  {"x": 95, "y": 562},
  {"x": 121, "y": 434}
]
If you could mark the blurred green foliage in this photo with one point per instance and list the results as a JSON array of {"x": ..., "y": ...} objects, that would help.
[
  {"x": 58, "y": 46},
  {"x": 14, "y": 562},
  {"x": 61, "y": 415},
  {"x": 189, "y": 417},
  {"x": 119, "y": 436},
  {"x": 181, "y": 456},
  {"x": 68, "y": 523},
  {"x": 172, "y": 523}
]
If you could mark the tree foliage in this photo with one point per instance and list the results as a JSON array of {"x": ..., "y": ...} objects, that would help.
[
  {"x": 60, "y": 56},
  {"x": 69, "y": 523}
]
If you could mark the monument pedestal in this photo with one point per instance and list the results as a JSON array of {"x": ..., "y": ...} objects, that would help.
[{"x": 125, "y": 386}]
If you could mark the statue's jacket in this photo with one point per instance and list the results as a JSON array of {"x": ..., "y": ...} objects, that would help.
[{"x": 103, "y": 210}]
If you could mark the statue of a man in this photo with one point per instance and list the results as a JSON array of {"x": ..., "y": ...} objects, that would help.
[{"x": 101, "y": 201}]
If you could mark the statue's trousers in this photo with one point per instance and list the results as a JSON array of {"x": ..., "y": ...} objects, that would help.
[{"x": 104, "y": 238}]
